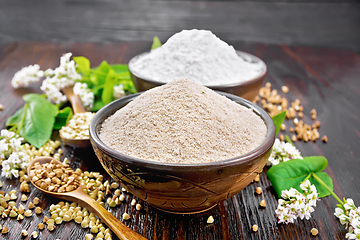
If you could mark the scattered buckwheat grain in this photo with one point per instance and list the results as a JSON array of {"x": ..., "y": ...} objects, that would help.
[
  {"x": 126, "y": 216},
  {"x": 34, "y": 234},
  {"x": 24, "y": 233},
  {"x": 314, "y": 231},
  {"x": 258, "y": 190}
]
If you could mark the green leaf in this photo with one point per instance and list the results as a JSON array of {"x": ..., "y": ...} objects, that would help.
[
  {"x": 278, "y": 120},
  {"x": 101, "y": 72},
  {"x": 15, "y": 120},
  {"x": 102, "y": 79},
  {"x": 97, "y": 91},
  {"x": 323, "y": 192},
  {"x": 120, "y": 68},
  {"x": 156, "y": 43},
  {"x": 63, "y": 117},
  {"x": 39, "y": 120},
  {"x": 98, "y": 104},
  {"x": 83, "y": 64},
  {"x": 107, "y": 94},
  {"x": 291, "y": 174},
  {"x": 93, "y": 79}
]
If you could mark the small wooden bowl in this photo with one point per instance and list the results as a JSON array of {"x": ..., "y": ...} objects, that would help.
[
  {"x": 247, "y": 89},
  {"x": 182, "y": 188}
]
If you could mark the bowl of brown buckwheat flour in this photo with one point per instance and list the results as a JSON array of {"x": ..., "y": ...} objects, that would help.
[
  {"x": 182, "y": 147},
  {"x": 201, "y": 56}
]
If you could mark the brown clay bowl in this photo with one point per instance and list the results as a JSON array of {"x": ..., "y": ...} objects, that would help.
[
  {"x": 248, "y": 89},
  {"x": 181, "y": 188}
]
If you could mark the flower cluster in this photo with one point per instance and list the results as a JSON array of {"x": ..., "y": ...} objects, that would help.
[
  {"x": 63, "y": 76},
  {"x": 349, "y": 215},
  {"x": 12, "y": 158},
  {"x": 295, "y": 204},
  {"x": 9, "y": 143},
  {"x": 85, "y": 94},
  {"x": 118, "y": 91},
  {"x": 16, "y": 162},
  {"x": 282, "y": 152},
  {"x": 26, "y": 76}
]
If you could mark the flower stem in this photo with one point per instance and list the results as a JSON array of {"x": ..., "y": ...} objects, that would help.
[
  {"x": 325, "y": 186},
  {"x": 307, "y": 177},
  {"x": 288, "y": 140}
]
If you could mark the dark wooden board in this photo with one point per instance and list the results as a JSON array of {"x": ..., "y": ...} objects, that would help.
[
  {"x": 322, "y": 78},
  {"x": 315, "y": 23}
]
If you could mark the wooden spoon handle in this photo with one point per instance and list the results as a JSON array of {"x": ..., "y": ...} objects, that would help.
[
  {"x": 74, "y": 100},
  {"x": 122, "y": 231}
]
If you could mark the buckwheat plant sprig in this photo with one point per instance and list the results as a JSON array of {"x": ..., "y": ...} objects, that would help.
[
  {"x": 349, "y": 215},
  {"x": 26, "y": 76},
  {"x": 12, "y": 158},
  {"x": 63, "y": 76},
  {"x": 295, "y": 204},
  {"x": 282, "y": 152},
  {"x": 87, "y": 97},
  {"x": 9, "y": 143},
  {"x": 16, "y": 162}
]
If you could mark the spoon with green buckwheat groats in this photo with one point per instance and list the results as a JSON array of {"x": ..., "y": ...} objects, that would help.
[
  {"x": 76, "y": 132},
  {"x": 56, "y": 179}
]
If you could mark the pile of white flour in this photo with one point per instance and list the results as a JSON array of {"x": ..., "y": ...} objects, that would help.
[
  {"x": 183, "y": 122},
  {"x": 198, "y": 55}
]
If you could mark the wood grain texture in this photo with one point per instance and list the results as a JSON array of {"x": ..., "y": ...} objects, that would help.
[
  {"x": 322, "y": 78},
  {"x": 315, "y": 23}
]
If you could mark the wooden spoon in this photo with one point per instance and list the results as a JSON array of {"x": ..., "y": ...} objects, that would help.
[
  {"x": 77, "y": 108},
  {"x": 78, "y": 195}
]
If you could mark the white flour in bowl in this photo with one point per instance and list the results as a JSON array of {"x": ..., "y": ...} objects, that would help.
[
  {"x": 198, "y": 55},
  {"x": 183, "y": 122}
]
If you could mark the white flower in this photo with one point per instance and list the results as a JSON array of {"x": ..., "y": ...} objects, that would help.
[
  {"x": 354, "y": 235},
  {"x": 295, "y": 204},
  {"x": 17, "y": 161},
  {"x": 52, "y": 92},
  {"x": 7, "y": 134},
  {"x": 118, "y": 91},
  {"x": 282, "y": 152},
  {"x": 338, "y": 212},
  {"x": 349, "y": 204},
  {"x": 3, "y": 145},
  {"x": 15, "y": 143},
  {"x": 63, "y": 76},
  {"x": 9, "y": 143},
  {"x": 349, "y": 216},
  {"x": 85, "y": 94},
  {"x": 305, "y": 185},
  {"x": 15, "y": 173},
  {"x": 26, "y": 75},
  {"x": 67, "y": 68}
]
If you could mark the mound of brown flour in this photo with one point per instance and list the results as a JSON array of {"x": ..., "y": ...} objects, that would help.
[{"x": 183, "y": 122}]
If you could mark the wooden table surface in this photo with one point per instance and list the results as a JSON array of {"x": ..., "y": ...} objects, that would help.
[{"x": 322, "y": 78}]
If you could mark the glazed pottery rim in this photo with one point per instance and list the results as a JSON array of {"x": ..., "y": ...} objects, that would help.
[
  {"x": 243, "y": 83},
  {"x": 109, "y": 110}
]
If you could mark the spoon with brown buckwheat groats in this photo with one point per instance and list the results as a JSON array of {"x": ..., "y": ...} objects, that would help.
[
  {"x": 59, "y": 180},
  {"x": 76, "y": 132}
]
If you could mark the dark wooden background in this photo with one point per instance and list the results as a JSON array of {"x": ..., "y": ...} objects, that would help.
[
  {"x": 312, "y": 47},
  {"x": 317, "y": 23}
]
